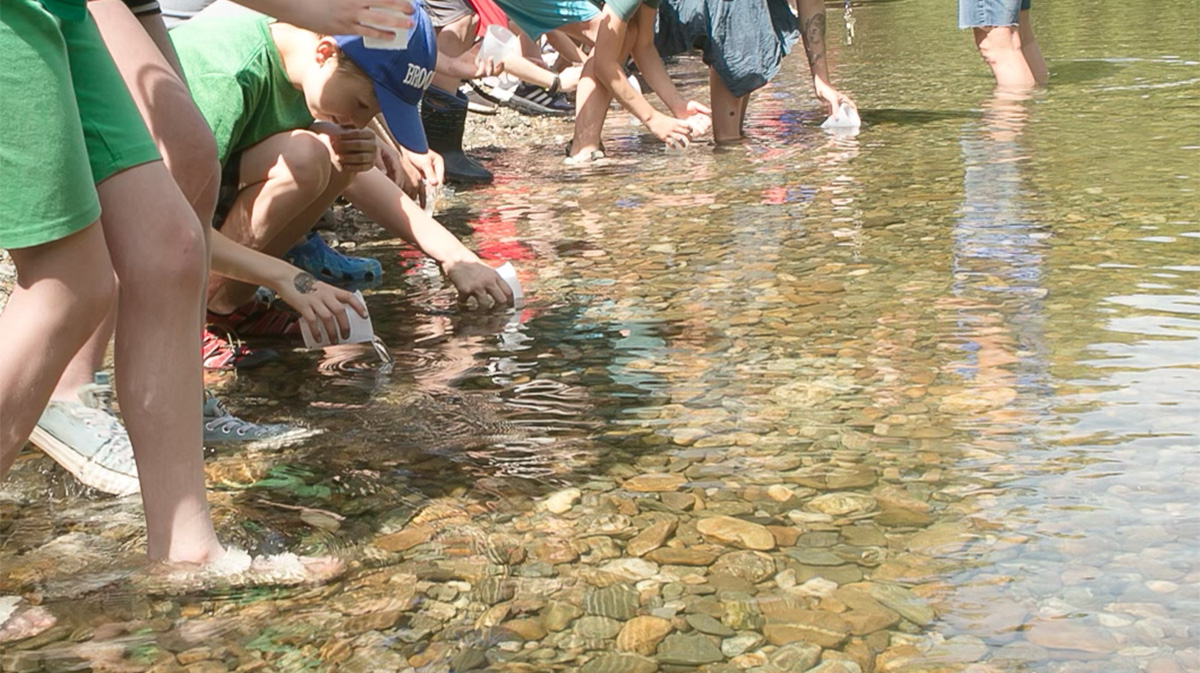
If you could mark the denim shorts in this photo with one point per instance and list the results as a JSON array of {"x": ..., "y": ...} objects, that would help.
[{"x": 982, "y": 13}]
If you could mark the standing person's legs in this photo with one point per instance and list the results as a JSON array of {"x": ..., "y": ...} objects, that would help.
[
  {"x": 994, "y": 23},
  {"x": 64, "y": 289},
  {"x": 156, "y": 245},
  {"x": 729, "y": 111},
  {"x": 1029, "y": 47},
  {"x": 182, "y": 136}
]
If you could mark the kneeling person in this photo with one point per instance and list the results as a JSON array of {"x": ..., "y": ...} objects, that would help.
[{"x": 290, "y": 110}]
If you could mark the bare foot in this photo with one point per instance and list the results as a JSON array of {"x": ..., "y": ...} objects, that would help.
[{"x": 238, "y": 570}]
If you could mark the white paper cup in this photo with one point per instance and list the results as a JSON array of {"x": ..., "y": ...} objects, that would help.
[
  {"x": 498, "y": 44},
  {"x": 509, "y": 275},
  {"x": 361, "y": 330},
  {"x": 397, "y": 42}
]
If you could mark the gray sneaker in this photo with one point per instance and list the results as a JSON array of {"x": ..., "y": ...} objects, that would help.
[
  {"x": 222, "y": 427},
  {"x": 86, "y": 438}
]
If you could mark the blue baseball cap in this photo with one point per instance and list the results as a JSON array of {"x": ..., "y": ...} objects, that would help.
[{"x": 400, "y": 77}]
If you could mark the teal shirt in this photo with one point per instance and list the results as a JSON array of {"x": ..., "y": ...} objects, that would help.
[
  {"x": 237, "y": 79},
  {"x": 627, "y": 8}
]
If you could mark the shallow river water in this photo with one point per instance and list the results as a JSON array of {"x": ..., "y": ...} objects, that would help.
[{"x": 924, "y": 398}]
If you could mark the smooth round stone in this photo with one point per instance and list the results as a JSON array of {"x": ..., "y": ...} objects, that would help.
[
  {"x": 655, "y": 482},
  {"x": 620, "y": 601},
  {"x": 797, "y": 657},
  {"x": 562, "y": 501},
  {"x": 651, "y": 538},
  {"x": 842, "y": 503},
  {"x": 631, "y": 569},
  {"x": 706, "y": 624},
  {"x": 958, "y": 650},
  {"x": 597, "y": 628},
  {"x": 752, "y": 566},
  {"x": 557, "y": 615},
  {"x": 815, "y": 557},
  {"x": 620, "y": 663},
  {"x": 977, "y": 400},
  {"x": 909, "y": 605},
  {"x": 737, "y": 532},
  {"x": 642, "y": 634},
  {"x": 1063, "y": 635},
  {"x": 740, "y": 644},
  {"x": 688, "y": 650},
  {"x": 671, "y": 556}
]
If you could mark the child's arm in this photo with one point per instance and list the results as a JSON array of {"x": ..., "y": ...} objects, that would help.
[
  {"x": 606, "y": 60},
  {"x": 648, "y": 60},
  {"x": 382, "y": 201},
  {"x": 338, "y": 17},
  {"x": 812, "y": 29},
  {"x": 315, "y": 301}
]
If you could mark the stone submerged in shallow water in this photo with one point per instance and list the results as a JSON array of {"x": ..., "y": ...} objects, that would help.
[
  {"x": 1062, "y": 635},
  {"x": 841, "y": 503},
  {"x": 651, "y": 538},
  {"x": 749, "y": 565},
  {"x": 655, "y": 482},
  {"x": 737, "y": 532},
  {"x": 593, "y": 627},
  {"x": 558, "y": 615},
  {"x": 642, "y": 634},
  {"x": 823, "y": 628},
  {"x": 689, "y": 650},
  {"x": 561, "y": 502},
  {"x": 620, "y": 663},
  {"x": 906, "y": 603},
  {"x": 619, "y": 601},
  {"x": 706, "y": 624},
  {"x": 670, "y": 556},
  {"x": 797, "y": 657}
]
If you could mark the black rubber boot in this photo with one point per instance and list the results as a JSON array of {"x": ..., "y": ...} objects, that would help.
[{"x": 445, "y": 117}]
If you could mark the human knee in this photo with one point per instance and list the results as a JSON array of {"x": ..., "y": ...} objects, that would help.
[
  {"x": 999, "y": 42},
  {"x": 307, "y": 161},
  {"x": 177, "y": 268}
]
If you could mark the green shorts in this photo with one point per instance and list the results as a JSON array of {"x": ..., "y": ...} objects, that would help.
[{"x": 66, "y": 118}]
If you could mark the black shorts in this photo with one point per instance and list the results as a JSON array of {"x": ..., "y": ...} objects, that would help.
[{"x": 231, "y": 186}]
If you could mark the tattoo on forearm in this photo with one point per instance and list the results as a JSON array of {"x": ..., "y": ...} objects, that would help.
[
  {"x": 814, "y": 39},
  {"x": 305, "y": 282}
]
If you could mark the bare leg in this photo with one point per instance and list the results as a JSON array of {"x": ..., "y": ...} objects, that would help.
[
  {"x": 1033, "y": 53},
  {"x": 292, "y": 181},
  {"x": 157, "y": 249},
  {"x": 728, "y": 110},
  {"x": 64, "y": 289},
  {"x": 454, "y": 39},
  {"x": 1000, "y": 47},
  {"x": 591, "y": 102},
  {"x": 179, "y": 130}
]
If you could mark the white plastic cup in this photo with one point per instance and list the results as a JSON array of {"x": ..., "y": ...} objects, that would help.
[
  {"x": 844, "y": 117},
  {"x": 361, "y": 330},
  {"x": 399, "y": 41},
  {"x": 498, "y": 44},
  {"x": 508, "y": 274}
]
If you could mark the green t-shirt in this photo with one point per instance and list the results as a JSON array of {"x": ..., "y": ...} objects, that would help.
[
  {"x": 237, "y": 79},
  {"x": 627, "y": 8}
]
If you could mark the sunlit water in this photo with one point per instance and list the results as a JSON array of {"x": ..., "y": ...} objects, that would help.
[{"x": 993, "y": 304}]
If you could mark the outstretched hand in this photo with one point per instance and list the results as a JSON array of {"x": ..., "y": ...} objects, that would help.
[
  {"x": 479, "y": 281},
  {"x": 672, "y": 131},
  {"x": 831, "y": 97},
  {"x": 321, "y": 305}
]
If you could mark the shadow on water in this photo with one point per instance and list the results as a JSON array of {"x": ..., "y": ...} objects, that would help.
[{"x": 914, "y": 117}]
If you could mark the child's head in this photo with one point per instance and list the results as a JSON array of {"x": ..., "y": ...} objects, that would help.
[
  {"x": 337, "y": 90},
  {"x": 353, "y": 83}
]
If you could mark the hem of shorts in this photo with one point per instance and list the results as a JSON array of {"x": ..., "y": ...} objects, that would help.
[
  {"x": 131, "y": 158},
  {"x": 52, "y": 231},
  {"x": 987, "y": 25}
]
